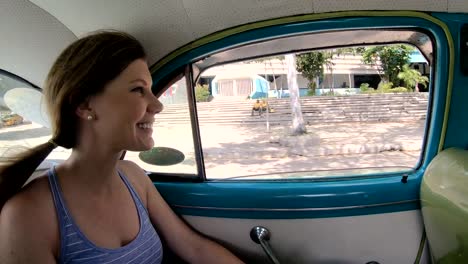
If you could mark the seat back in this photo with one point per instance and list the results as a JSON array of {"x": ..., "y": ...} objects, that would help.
[{"x": 444, "y": 201}]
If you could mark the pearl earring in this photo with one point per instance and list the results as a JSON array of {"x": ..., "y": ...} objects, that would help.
[{"x": 89, "y": 117}]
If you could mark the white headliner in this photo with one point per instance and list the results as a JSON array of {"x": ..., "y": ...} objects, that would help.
[{"x": 34, "y": 32}]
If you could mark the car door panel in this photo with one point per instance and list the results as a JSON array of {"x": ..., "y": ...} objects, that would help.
[{"x": 350, "y": 219}]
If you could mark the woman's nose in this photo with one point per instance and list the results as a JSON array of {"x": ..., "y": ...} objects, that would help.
[{"x": 155, "y": 106}]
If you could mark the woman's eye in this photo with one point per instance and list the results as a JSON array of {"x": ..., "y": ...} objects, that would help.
[{"x": 138, "y": 90}]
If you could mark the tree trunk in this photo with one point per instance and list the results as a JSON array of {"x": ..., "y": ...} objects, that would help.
[
  {"x": 317, "y": 83},
  {"x": 274, "y": 79},
  {"x": 298, "y": 126}
]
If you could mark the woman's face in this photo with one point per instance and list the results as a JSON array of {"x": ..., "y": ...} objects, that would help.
[{"x": 124, "y": 112}]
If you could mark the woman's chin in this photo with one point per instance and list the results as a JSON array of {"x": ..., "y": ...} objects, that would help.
[{"x": 143, "y": 146}]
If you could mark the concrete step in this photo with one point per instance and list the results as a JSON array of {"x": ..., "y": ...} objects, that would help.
[
  {"x": 287, "y": 122},
  {"x": 319, "y": 109},
  {"x": 211, "y": 105}
]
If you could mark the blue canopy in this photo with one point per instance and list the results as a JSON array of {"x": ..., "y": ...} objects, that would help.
[{"x": 417, "y": 57}]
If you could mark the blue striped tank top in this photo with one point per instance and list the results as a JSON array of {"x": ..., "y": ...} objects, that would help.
[{"x": 76, "y": 248}]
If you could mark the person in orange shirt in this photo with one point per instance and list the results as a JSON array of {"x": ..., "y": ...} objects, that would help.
[{"x": 258, "y": 107}]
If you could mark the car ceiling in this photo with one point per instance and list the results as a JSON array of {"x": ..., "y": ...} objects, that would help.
[{"x": 34, "y": 32}]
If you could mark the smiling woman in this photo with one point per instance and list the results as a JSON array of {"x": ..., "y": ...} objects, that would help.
[
  {"x": 98, "y": 93},
  {"x": 363, "y": 185}
]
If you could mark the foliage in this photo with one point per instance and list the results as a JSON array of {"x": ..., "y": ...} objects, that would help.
[
  {"x": 329, "y": 93},
  {"x": 202, "y": 94},
  {"x": 350, "y": 50},
  {"x": 385, "y": 86},
  {"x": 365, "y": 87},
  {"x": 311, "y": 89},
  {"x": 398, "y": 90},
  {"x": 412, "y": 77},
  {"x": 388, "y": 59},
  {"x": 311, "y": 65}
]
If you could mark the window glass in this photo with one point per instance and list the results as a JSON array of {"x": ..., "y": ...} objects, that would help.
[
  {"x": 172, "y": 134},
  {"x": 359, "y": 111},
  {"x": 23, "y": 123},
  {"x": 25, "y": 128}
]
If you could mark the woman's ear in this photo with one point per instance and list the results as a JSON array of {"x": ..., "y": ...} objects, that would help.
[{"x": 84, "y": 111}]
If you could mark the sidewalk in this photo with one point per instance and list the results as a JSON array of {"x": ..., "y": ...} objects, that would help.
[
  {"x": 231, "y": 151},
  {"x": 346, "y": 147},
  {"x": 321, "y": 140}
]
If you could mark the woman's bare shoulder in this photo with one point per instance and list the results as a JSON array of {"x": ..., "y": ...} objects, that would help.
[
  {"x": 29, "y": 217},
  {"x": 132, "y": 171},
  {"x": 137, "y": 177},
  {"x": 33, "y": 205}
]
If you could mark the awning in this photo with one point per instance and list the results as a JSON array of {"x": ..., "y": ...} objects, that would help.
[{"x": 417, "y": 57}]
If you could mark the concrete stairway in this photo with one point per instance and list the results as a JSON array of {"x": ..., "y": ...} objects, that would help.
[{"x": 317, "y": 109}]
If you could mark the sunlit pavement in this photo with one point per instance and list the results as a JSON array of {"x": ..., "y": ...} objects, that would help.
[{"x": 231, "y": 151}]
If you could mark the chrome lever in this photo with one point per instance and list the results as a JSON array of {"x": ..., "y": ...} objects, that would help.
[{"x": 261, "y": 235}]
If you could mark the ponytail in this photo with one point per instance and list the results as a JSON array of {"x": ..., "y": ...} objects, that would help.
[
  {"x": 80, "y": 72},
  {"x": 15, "y": 173}
]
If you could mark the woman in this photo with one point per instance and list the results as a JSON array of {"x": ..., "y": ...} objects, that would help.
[{"x": 95, "y": 208}]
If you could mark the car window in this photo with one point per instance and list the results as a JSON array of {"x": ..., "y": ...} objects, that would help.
[
  {"x": 360, "y": 110},
  {"x": 11, "y": 122},
  {"x": 20, "y": 131},
  {"x": 172, "y": 133},
  {"x": 26, "y": 125}
]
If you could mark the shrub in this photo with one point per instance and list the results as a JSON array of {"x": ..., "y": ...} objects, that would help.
[
  {"x": 385, "y": 86},
  {"x": 364, "y": 87},
  {"x": 202, "y": 94},
  {"x": 399, "y": 90},
  {"x": 329, "y": 93},
  {"x": 311, "y": 86}
]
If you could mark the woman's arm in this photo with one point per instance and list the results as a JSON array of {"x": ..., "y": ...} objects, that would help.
[
  {"x": 185, "y": 242},
  {"x": 189, "y": 245},
  {"x": 23, "y": 237}
]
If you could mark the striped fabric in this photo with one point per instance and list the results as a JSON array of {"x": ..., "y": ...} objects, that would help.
[{"x": 76, "y": 248}]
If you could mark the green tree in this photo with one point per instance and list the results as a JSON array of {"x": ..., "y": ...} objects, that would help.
[
  {"x": 389, "y": 60},
  {"x": 412, "y": 78},
  {"x": 202, "y": 93},
  {"x": 349, "y": 50},
  {"x": 311, "y": 65}
]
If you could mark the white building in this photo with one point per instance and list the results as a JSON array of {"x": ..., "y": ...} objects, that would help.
[{"x": 346, "y": 71}]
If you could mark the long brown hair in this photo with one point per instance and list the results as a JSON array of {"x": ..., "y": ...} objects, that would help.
[{"x": 80, "y": 72}]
